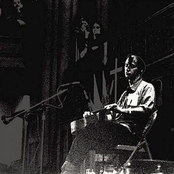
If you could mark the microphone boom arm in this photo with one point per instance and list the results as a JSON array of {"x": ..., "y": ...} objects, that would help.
[{"x": 10, "y": 118}]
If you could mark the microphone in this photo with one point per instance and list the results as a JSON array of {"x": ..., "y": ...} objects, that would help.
[
  {"x": 70, "y": 84},
  {"x": 8, "y": 118}
]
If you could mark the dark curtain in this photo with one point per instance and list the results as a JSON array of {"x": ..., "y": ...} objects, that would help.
[
  {"x": 58, "y": 58},
  {"x": 57, "y": 68},
  {"x": 58, "y": 23}
]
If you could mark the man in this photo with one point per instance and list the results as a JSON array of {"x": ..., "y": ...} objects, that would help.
[{"x": 129, "y": 116}]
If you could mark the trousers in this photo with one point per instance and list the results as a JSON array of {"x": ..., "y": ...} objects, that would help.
[{"x": 99, "y": 136}]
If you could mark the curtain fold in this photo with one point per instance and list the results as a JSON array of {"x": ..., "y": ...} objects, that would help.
[
  {"x": 102, "y": 12},
  {"x": 58, "y": 21},
  {"x": 59, "y": 16},
  {"x": 59, "y": 44}
]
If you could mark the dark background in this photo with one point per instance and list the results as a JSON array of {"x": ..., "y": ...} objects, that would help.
[{"x": 36, "y": 60}]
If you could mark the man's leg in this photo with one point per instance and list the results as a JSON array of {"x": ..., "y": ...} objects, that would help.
[{"x": 99, "y": 136}]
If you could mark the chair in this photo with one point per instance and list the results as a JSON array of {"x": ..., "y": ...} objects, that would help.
[
  {"x": 143, "y": 141},
  {"x": 115, "y": 158}
]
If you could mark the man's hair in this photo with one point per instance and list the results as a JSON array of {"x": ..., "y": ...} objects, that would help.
[{"x": 140, "y": 63}]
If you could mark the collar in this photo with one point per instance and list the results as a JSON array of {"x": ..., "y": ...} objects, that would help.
[{"x": 132, "y": 87}]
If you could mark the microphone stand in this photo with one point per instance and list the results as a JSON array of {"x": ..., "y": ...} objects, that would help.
[
  {"x": 34, "y": 106},
  {"x": 26, "y": 112},
  {"x": 25, "y": 125},
  {"x": 42, "y": 137},
  {"x": 43, "y": 109}
]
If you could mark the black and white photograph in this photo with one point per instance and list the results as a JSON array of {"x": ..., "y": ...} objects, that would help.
[{"x": 87, "y": 87}]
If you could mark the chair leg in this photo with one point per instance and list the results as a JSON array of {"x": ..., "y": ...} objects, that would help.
[
  {"x": 137, "y": 148},
  {"x": 132, "y": 154},
  {"x": 148, "y": 150}
]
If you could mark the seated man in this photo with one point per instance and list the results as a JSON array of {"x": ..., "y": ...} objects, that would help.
[{"x": 130, "y": 115}]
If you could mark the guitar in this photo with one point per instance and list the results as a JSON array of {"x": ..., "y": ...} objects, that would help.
[{"x": 89, "y": 118}]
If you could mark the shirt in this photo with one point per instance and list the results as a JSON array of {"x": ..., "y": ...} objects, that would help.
[{"x": 141, "y": 94}]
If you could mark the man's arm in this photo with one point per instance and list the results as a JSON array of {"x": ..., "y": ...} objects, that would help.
[{"x": 130, "y": 110}]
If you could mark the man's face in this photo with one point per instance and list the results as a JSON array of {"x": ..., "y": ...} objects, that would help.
[{"x": 130, "y": 68}]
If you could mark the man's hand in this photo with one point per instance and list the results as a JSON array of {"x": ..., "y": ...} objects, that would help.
[
  {"x": 118, "y": 109},
  {"x": 89, "y": 118},
  {"x": 110, "y": 106},
  {"x": 87, "y": 114}
]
